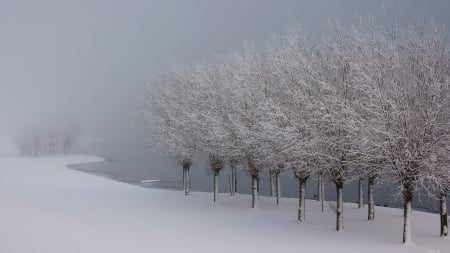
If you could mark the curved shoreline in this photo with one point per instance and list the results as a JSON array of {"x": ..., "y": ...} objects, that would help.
[{"x": 103, "y": 174}]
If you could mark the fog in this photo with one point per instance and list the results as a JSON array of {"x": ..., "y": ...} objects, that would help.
[{"x": 83, "y": 61}]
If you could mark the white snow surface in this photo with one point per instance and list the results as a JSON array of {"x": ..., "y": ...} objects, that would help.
[{"x": 48, "y": 208}]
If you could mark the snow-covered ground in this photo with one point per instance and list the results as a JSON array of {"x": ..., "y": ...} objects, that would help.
[{"x": 46, "y": 207}]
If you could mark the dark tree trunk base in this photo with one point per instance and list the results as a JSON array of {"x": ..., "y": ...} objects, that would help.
[{"x": 443, "y": 213}]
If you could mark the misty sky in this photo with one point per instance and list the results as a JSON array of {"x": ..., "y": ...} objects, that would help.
[{"x": 84, "y": 60}]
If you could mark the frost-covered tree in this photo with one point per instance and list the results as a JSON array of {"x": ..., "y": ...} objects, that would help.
[
  {"x": 409, "y": 102},
  {"x": 206, "y": 107},
  {"x": 287, "y": 78},
  {"x": 248, "y": 115},
  {"x": 338, "y": 123},
  {"x": 366, "y": 38},
  {"x": 167, "y": 126},
  {"x": 425, "y": 56}
]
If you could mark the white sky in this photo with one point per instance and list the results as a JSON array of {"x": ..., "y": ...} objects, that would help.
[{"x": 83, "y": 60}]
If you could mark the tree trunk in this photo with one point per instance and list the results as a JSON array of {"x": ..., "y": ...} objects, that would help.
[
  {"x": 407, "y": 198},
  {"x": 186, "y": 191},
  {"x": 186, "y": 179},
  {"x": 254, "y": 191},
  {"x": 319, "y": 187},
  {"x": 257, "y": 183},
  {"x": 233, "y": 180},
  {"x": 216, "y": 185},
  {"x": 278, "y": 186},
  {"x": 230, "y": 181},
  {"x": 258, "y": 180},
  {"x": 302, "y": 197},
  {"x": 186, "y": 166},
  {"x": 443, "y": 213},
  {"x": 361, "y": 193},
  {"x": 371, "y": 202},
  {"x": 272, "y": 184},
  {"x": 339, "y": 206},
  {"x": 323, "y": 196}
]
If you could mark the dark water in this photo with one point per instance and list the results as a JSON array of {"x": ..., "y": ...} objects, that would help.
[{"x": 130, "y": 162}]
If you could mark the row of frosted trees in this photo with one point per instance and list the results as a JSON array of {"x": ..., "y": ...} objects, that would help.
[{"x": 365, "y": 102}]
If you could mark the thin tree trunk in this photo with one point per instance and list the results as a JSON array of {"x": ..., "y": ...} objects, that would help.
[
  {"x": 322, "y": 192},
  {"x": 407, "y": 198},
  {"x": 443, "y": 213},
  {"x": 278, "y": 186},
  {"x": 186, "y": 166},
  {"x": 319, "y": 187},
  {"x": 339, "y": 206},
  {"x": 186, "y": 181},
  {"x": 323, "y": 197},
  {"x": 230, "y": 181},
  {"x": 257, "y": 183},
  {"x": 371, "y": 202},
  {"x": 216, "y": 185},
  {"x": 361, "y": 193},
  {"x": 254, "y": 191},
  {"x": 233, "y": 180},
  {"x": 302, "y": 197},
  {"x": 272, "y": 183}
]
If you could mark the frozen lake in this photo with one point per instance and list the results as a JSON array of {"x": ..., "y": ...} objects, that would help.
[{"x": 129, "y": 161}]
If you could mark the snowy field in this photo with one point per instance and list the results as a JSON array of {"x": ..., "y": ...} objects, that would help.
[{"x": 48, "y": 208}]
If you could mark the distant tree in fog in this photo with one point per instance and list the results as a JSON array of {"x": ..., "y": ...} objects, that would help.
[{"x": 48, "y": 140}]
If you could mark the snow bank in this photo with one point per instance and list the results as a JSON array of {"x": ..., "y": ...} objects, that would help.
[{"x": 49, "y": 208}]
